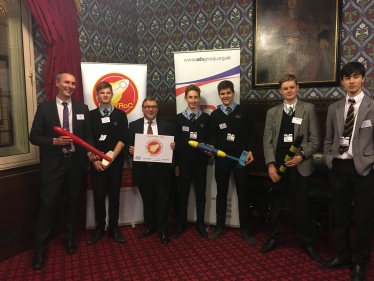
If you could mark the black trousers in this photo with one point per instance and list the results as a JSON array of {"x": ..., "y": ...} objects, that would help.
[
  {"x": 154, "y": 189},
  {"x": 347, "y": 185},
  {"x": 299, "y": 189},
  {"x": 67, "y": 180},
  {"x": 103, "y": 183},
  {"x": 223, "y": 169},
  {"x": 192, "y": 173}
]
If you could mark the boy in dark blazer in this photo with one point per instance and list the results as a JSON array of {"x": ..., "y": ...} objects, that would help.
[
  {"x": 110, "y": 132},
  {"x": 350, "y": 158},
  {"x": 63, "y": 163},
  {"x": 191, "y": 163},
  {"x": 152, "y": 179},
  {"x": 283, "y": 124},
  {"x": 232, "y": 131}
]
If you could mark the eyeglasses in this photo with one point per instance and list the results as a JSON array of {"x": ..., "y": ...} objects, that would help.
[{"x": 150, "y": 106}]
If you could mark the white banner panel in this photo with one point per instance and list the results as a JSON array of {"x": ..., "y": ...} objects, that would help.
[
  {"x": 129, "y": 83},
  {"x": 206, "y": 69}
]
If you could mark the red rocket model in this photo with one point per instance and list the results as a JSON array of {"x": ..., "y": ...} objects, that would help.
[{"x": 82, "y": 143}]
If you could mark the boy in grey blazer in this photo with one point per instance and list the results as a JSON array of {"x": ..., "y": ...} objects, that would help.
[
  {"x": 350, "y": 158},
  {"x": 283, "y": 123}
]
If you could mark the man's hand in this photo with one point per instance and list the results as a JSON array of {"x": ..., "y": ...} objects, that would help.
[
  {"x": 272, "y": 172},
  {"x": 131, "y": 150},
  {"x": 92, "y": 157},
  {"x": 177, "y": 171},
  {"x": 62, "y": 140},
  {"x": 249, "y": 158},
  {"x": 99, "y": 166},
  {"x": 296, "y": 160},
  {"x": 172, "y": 145}
]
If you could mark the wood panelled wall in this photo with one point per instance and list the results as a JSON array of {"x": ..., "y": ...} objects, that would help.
[{"x": 19, "y": 189}]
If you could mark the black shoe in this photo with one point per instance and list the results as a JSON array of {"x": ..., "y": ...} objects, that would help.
[
  {"x": 165, "y": 239},
  {"x": 146, "y": 232},
  {"x": 179, "y": 230},
  {"x": 38, "y": 261},
  {"x": 217, "y": 232},
  {"x": 71, "y": 246},
  {"x": 312, "y": 253},
  {"x": 335, "y": 263},
  {"x": 270, "y": 245},
  {"x": 96, "y": 236},
  {"x": 116, "y": 235},
  {"x": 201, "y": 229},
  {"x": 248, "y": 237},
  {"x": 358, "y": 272}
]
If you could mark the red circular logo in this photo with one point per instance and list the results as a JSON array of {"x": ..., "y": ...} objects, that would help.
[
  {"x": 125, "y": 93},
  {"x": 153, "y": 147}
]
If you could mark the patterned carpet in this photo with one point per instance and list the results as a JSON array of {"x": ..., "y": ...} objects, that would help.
[{"x": 188, "y": 257}]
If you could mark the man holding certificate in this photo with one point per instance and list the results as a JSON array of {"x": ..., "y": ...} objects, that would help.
[{"x": 152, "y": 178}]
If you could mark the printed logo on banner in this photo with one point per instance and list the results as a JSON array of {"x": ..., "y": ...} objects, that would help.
[
  {"x": 153, "y": 147},
  {"x": 125, "y": 92}
]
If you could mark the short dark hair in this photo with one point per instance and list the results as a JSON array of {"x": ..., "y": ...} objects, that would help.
[
  {"x": 286, "y": 78},
  {"x": 352, "y": 67},
  {"x": 149, "y": 98},
  {"x": 192, "y": 88},
  {"x": 103, "y": 85},
  {"x": 225, "y": 84},
  {"x": 58, "y": 76}
]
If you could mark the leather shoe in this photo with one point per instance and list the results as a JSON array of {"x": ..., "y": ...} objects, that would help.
[
  {"x": 179, "y": 230},
  {"x": 358, "y": 272},
  {"x": 248, "y": 237},
  {"x": 146, "y": 232},
  {"x": 96, "y": 236},
  {"x": 165, "y": 239},
  {"x": 38, "y": 261},
  {"x": 335, "y": 263},
  {"x": 217, "y": 232},
  {"x": 116, "y": 235},
  {"x": 270, "y": 245},
  {"x": 71, "y": 246},
  {"x": 312, "y": 253},
  {"x": 201, "y": 229}
]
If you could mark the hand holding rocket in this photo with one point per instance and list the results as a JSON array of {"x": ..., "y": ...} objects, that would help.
[
  {"x": 82, "y": 143},
  {"x": 220, "y": 153}
]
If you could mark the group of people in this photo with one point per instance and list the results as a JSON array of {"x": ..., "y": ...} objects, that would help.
[{"x": 348, "y": 152}]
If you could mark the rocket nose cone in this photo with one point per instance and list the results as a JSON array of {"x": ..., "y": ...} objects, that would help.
[{"x": 193, "y": 143}]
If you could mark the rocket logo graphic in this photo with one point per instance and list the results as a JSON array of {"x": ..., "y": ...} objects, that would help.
[
  {"x": 153, "y": 147},
  {"x": 125, "y": 93}
]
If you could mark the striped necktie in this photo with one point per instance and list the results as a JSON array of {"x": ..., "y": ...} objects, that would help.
[
  {"x": 192, "y": 116},
  {"x": 228, "y": 110},
  {"x": 106, "y": 112},
  {"x": 348, "y": 127}
]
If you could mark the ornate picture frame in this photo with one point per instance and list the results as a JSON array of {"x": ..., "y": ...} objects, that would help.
[{"x": 299, "y": 37}]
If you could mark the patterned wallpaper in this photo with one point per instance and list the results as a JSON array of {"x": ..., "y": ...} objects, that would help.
[{"x": 149, "y": 31}]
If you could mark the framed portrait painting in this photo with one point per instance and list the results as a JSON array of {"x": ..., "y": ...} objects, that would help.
[{"x": 299, "y": 37}]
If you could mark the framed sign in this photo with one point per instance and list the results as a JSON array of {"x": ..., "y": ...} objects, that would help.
[{"x": 299, "y": 37}]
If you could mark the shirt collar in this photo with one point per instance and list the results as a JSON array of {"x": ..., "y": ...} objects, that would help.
[
  {"x": 357, "y": 98},
  {"x": 60, "y": 101}
]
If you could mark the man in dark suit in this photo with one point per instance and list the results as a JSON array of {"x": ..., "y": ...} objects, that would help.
[
  {"x": 110, "y": 131},
  {"x": 63, "y": 163},
  {"x": 284, "y": 123},
  {"x": 349, "y": 155},
  {"x": 152, "y": 179}
]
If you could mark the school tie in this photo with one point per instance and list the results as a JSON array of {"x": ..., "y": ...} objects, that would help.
[
  {"x": 106, "y": 112},
  {"x": 290, "y": 111},
  {"x": 192, "y": 117},
  {"x": 348, "y": 127},
  {"x": 228, "y": 110},
  {"x": 65, "y": 122},
  {"x": 149, "y": 130}
]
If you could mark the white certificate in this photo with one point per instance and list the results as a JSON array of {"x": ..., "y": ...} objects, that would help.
[{"x": 153, "y": 148}]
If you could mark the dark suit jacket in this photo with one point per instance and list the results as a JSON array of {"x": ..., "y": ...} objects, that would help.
[
  {"x": 137, "y": 127},
  {"x": 42, "y": 133},
  {"x": 362, "y": 142}
]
